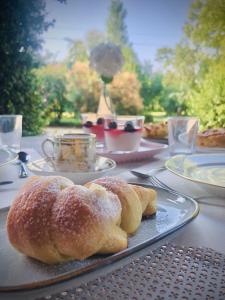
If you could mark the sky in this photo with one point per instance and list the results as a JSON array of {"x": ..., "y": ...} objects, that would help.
[{"x": 151, "y": 24}]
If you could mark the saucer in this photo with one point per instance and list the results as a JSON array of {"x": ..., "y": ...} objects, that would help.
[
  {"x": 145, "y": 151},
  {"x": 44, "y": 167}
]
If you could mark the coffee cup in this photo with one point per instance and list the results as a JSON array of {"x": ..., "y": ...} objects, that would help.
[{"x": 71, "y": 152}]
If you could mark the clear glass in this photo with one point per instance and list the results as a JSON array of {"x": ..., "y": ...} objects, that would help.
[
  {"x": 105, "y": 106},
  {"x": 182, "y": 133},
  {"x": 93, "y": 123},
  {"x": 11, "y": 132},
  {"x": 121, "y": 137}
]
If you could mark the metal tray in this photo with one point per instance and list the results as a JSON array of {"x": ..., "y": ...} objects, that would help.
[{"x": 18, "y": 272}]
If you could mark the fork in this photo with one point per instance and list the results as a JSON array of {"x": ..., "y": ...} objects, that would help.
[
  {"x": 155, "y": 181},
  {"x": 158, "y": 183}
]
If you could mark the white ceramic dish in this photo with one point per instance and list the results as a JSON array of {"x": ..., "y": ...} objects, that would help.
[
  {"x": 207, "y": 169},
  {"x": 7, "y": 156},
  {"x": 146, "y": 150},
  {"x": 19, "y": 272},
  {"x": 44, "y": 167}
]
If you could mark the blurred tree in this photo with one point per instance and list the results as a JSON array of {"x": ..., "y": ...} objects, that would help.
[
  {"x": 157, "y": 96},
  {"x": 165, "y": 55},
  {"x": 83, "y": 88},
  {"x": 125, "y": 93},
  {"x": 131, "y": 62},
  {"x": 77, "y": 52},
  {"x": 94, "y": 37},
  {"x": 22, "y": 23},
  {"x": 52, "y": 79},
  {"x": 116, "y": 27},
  {"x": 79, "y": 49},
  {"x": 207, "y": 100},
  {"x": 206, "y": 25},
  {"x": 190, "y": 67}
]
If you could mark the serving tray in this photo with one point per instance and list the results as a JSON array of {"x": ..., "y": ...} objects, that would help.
[{"x": 18, "y": 272}]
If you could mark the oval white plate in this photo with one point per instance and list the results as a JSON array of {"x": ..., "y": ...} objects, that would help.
[
  {"x": 20, "y": 273},
  {"x": 43, "y": 167}
]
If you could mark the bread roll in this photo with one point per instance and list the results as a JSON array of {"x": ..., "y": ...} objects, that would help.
[
  {"x": 54, "y": 220},
  {"x": 135, "y": 200}
]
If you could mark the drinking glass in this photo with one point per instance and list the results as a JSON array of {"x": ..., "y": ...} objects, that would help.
[
  {"x": 182, "y": 133},
  {"x": 10, "y": 131}
]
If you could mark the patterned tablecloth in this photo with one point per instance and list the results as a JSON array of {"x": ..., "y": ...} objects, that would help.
[{"x": 169, "y": 272}]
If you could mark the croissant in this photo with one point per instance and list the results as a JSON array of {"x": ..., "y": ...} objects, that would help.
[
  {"x": 136, "y": 201},
  {"x": 53, "y": 220}
]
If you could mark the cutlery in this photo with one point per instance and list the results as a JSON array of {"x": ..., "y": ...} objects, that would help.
[
  {"x": 23, "y": 158},
  {"x": 155, "y": 181},
  {"x": 145, "y": 175},
  {"x": 5, "y": 182}
]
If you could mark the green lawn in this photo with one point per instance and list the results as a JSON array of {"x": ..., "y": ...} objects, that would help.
[{"x": 68, "y": 120}]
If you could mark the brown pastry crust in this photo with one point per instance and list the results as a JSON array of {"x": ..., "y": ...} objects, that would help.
[
  {"x": 211, "y": 138},
  {"x": 155, "y": 130},
  {"x": 54, "y": 220},
  {"x": 136, "y": 201}
]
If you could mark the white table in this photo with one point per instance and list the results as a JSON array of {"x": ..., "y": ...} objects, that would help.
[{"x": 206, "y": 230}]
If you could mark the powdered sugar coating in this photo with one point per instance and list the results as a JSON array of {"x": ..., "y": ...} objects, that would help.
[
  {"x": 81, "y": 221},
  {"x": 28, "y": 220},
  {"x": 111, "y": 183},
  {"x": 131, "y": 205},
  {"x": 52, "y": 219}
]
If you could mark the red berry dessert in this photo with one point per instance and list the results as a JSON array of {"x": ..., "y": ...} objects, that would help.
[
  {"x": 97, "y": 129},
  {"x": 123, "y": 136}
]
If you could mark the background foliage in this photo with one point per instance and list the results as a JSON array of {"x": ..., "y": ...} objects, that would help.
[
  {"x": 22, "y": 24},
  {"x": 192, "y": 81}
]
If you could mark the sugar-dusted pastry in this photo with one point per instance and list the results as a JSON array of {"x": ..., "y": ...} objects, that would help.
[
  {"x": 155, "y": 130},
  {"x": 211, "y": 138},
  {"x": 136, "y": 201},
  {"x": 53, "y": 220}
]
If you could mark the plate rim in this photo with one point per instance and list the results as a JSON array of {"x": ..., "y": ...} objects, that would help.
[
  {"x": 161, "y": 147},
  {"x": 77, "y": 173},
  {"x": 190, "y": 178},
  {"x": 12, "y": 156}
]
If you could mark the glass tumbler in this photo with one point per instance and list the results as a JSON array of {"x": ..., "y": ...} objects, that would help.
[
  {"x": 10, "y": 132},
  {"x": 182, "y": 134}
]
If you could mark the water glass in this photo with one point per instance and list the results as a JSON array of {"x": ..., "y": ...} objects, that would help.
[
  {"x": 182, "y": 134},
  {"x": 10, "y": 131}
]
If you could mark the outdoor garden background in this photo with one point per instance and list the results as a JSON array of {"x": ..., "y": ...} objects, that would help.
[{"x": 45, "y": 92}]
